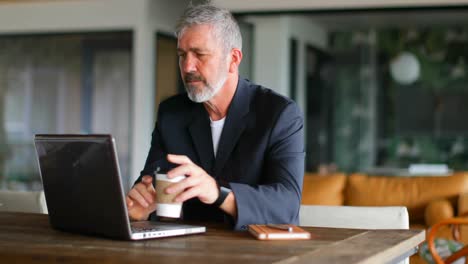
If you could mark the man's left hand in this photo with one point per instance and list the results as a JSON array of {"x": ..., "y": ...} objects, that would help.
[{"x": 197, "y": 184}]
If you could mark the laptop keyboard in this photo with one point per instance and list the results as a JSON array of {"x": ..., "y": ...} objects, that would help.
[
  {"x": 139, "y": 229},
  {"x": 145, "y": 226}
]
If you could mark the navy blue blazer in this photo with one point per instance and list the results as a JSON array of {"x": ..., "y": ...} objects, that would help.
[{"x": 260, "y": 153}]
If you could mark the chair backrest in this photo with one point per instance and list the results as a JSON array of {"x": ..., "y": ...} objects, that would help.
[
  {"x": 359, "y": 217},
  {"x": 363, "y": 217},
  {"x": 23, "y": 201}
]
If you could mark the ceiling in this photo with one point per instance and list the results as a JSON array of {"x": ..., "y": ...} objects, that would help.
[{"x": 241, "y": 6}]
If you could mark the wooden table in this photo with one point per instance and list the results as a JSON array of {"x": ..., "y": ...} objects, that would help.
[{"x": 28, "y": 238}]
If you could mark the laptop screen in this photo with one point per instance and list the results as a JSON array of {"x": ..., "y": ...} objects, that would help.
[{"x": 82, "y": 183}]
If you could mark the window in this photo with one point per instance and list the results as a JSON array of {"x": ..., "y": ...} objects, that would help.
[{"x": 70, "y": 83}]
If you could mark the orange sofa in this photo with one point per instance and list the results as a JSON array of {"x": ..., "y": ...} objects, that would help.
[{"x": 429, "y": 199}]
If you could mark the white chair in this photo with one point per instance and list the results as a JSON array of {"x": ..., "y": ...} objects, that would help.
[
  {"x": 23, "y": 201},
  {"x": 359, "y": 217}
]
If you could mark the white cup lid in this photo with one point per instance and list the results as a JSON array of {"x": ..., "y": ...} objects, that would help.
[{"x": 163, "y": 177}]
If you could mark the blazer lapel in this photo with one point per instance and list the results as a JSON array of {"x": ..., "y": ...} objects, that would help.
[
  {"x": 234, "y": 125},
  {"x": 200, "y": 131}
]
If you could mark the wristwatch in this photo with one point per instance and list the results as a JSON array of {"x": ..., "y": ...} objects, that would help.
[{"x": 223, "y": 193}]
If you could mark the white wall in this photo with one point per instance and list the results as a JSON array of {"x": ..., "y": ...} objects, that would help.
[{"x": 271, "y": 50}]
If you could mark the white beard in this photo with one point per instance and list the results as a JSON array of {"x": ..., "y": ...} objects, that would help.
[{"x": 207, "y": 92}]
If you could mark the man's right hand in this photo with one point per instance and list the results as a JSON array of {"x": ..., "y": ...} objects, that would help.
[{"x": 141, "y": 199}]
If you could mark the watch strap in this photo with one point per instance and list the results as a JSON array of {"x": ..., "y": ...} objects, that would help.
[{"x": 223, "y": 193}]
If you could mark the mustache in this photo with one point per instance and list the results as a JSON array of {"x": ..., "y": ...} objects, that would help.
[{"x": 192, "y": 76}]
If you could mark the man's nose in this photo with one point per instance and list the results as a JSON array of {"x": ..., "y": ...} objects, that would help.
[{"x": 188, "y": 64}]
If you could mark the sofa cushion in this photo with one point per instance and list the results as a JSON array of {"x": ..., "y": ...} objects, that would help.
[
  {"x": 413, "y": 192},
  {"x": 323, "y": 189},
  {"x": 438, "y": 210}
]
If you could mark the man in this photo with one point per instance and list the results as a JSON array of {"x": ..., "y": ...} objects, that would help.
[{"x": 239, "y": 144}]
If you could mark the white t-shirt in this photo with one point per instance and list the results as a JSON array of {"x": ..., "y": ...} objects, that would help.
[{"x": 216, "y": 129}]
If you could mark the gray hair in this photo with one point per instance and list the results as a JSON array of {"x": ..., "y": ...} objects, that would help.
[{"x": 225, "y": 26}]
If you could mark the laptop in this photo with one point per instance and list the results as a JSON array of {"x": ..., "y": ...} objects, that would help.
[{"x": 83, "y": 189}]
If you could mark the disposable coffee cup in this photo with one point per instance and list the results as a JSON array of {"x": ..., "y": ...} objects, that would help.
[{"x": 166, "y": 205}]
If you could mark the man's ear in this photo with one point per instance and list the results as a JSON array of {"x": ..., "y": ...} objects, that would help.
[{"x": 236, "y": 58}]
